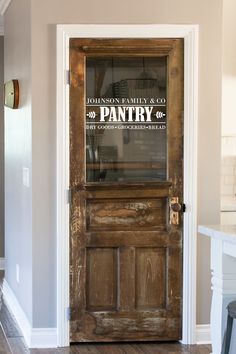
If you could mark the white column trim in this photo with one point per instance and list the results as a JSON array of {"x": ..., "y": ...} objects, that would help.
[
  {"x": 3, "y": 6},
  {"x": 190, "y": 35}
]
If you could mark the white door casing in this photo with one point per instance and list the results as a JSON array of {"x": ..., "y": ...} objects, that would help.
[{"x": 190, "y": 35}]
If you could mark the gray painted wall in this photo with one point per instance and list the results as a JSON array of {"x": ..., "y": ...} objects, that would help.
[
  {"x": 229, "y": 69},
  {"x": 18, "y": 151},
  {"x": 1, "y": 148},
  {"x": 39, "y": 271}
]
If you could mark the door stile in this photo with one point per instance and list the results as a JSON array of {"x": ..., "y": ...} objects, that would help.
[
  {"x": 78, "y": 200},
  {"x": 175, "y": 169}
]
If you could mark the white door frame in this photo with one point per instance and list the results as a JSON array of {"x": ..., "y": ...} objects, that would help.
[{"x": 190, "y": 35}]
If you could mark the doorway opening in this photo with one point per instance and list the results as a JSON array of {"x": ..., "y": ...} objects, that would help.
[{"x": 189, "y": 34}]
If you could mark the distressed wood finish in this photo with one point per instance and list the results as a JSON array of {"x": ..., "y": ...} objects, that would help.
[
  {"x": 101, "y": 279},
  {"x": 150, "y": 278},
  {"x": 126, "y": 214},
  {"x": 125, "y": 257},
  {"x": 121, "y": 47}
]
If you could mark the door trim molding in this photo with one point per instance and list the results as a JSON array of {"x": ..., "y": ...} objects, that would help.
[{"x": 190, "y": 35}]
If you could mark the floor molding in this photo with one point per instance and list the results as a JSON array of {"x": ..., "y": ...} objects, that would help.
[
  {"x": 2, "y": 263},
  {"x": 203, "y": 334},
  {"x": 34, "y": 337}
]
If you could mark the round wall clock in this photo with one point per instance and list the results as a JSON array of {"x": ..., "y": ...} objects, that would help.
[{"x": 11, "y": 94}]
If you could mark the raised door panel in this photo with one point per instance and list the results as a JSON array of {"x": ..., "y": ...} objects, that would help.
[
  {"x": 102, "y": 279},
  {"x": 126, "y": 214},
  {"x": 150, "y": 278}
]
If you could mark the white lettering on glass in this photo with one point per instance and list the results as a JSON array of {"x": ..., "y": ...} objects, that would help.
[{"x": 125, "y": 114}]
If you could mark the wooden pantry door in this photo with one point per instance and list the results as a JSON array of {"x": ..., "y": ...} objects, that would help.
[{"x": 126, "y": 180}]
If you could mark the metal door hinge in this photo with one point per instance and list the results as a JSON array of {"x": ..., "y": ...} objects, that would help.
[
  {"x": 68, "y": 196},
  {"x": 68, "y": 314},
  {"x": 67, "y": 77},
  {"x": 183, "y": 208}
]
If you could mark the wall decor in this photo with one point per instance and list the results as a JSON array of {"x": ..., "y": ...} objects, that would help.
[{"x": 11, "y": 94}]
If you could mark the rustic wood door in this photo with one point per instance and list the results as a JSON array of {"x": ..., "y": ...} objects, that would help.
[{"x": 126, "y": 180}]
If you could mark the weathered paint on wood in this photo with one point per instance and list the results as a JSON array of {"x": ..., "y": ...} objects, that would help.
[
  {"x": 126, "y": 214},
  {"x": 125, "y": 257}
]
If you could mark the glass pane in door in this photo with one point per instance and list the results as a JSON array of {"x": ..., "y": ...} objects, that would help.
[{"x": 126, "y": 119}]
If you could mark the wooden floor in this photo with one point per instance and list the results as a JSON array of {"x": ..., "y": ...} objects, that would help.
[{"x": 11, "y": 341}]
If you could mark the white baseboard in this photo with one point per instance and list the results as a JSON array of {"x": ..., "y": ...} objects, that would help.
[
  {"x": 2, "y": 263},
  {"x": 34, "y": 337},
  {"x": 203, "y": 334},
  {"x": 16, "y": 310},
  {"x": 43, "y": 338}
]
